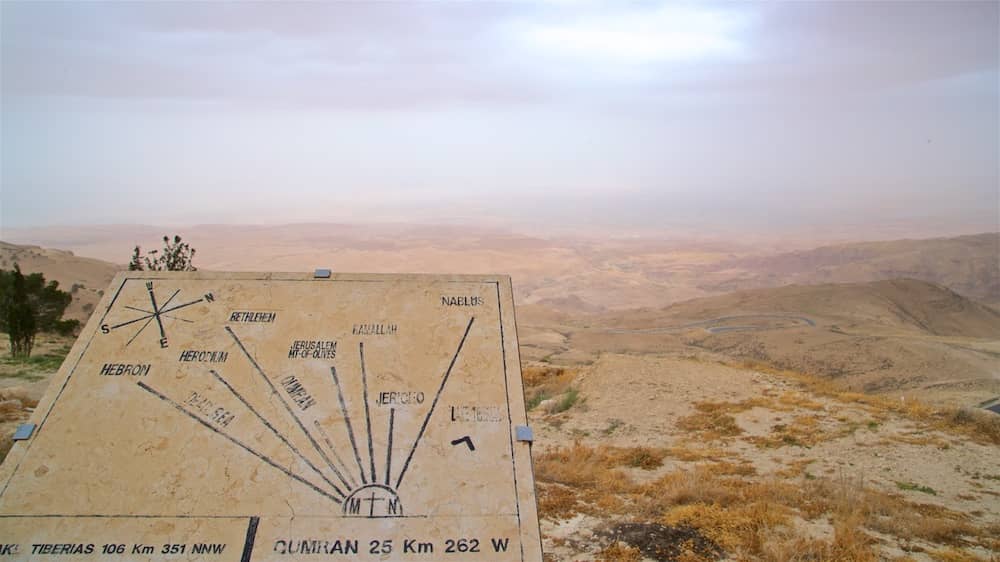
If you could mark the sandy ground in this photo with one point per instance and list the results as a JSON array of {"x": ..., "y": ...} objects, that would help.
[{"x": 636, "y": 400}]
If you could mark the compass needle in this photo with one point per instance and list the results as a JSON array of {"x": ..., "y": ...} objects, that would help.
[{"x": 158, "y": 313}]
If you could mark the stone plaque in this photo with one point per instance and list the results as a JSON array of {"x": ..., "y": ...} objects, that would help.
[{"x": 241, "y": 416}]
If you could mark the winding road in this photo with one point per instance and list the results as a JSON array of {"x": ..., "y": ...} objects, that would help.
[{"x": 711, "y": 326}]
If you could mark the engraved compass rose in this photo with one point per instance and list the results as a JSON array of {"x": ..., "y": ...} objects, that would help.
[{"x": 158, "y": 313}]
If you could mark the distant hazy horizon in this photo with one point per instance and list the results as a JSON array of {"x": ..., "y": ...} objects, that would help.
[{"x": 835, "y": 120}]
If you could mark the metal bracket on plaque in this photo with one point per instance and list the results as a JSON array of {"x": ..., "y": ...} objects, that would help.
[
  {"x": 321, "y": 274},
  {"x": 524, "y": 433},
  {"x": 24, "y": 431}
]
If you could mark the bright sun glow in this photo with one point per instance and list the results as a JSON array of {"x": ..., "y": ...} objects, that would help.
[{"x": 670, "y": 33}]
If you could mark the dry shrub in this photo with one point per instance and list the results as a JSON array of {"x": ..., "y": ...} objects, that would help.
[
  {"x": 20, "y": 394},
  {"x": 619, "y": 552},
  {"x": 581, "y": 479},
  {"x": 682, "y": 487},
  {"x": 556, "y": 501},
  {"x": 850, "y": 542},
  {"x": 726, "y": 468},
  {"x": 6, "y": 442},
  {"x": 645, "y": 458},
  {"x": 542, "y": 382},
  {"x": 535, "y": 376},
  {"x": 581, "y": 467},
  {"x": 12, "y": 410},
  {"x": 803, "y": 431},
  {"x": 710, "y": 425},
  {"x": 980, "y": 425},
  {"x": 742, "y": 527}
]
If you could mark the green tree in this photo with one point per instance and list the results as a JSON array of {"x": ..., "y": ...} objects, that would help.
[
  {"x": 176, "y": 256},
  {"x": 29, "y": 305},
  {"x": 18, "y": 316}
]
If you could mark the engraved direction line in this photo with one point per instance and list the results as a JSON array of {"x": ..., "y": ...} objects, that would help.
[
  {"x": 444, "y": 380},
  {"x": 135, "y": 335},
  {"x": 284, "y": 403},
  {"x": 237, "y": 442},
  {"x": 510, "y": 424},
  {"x": 276, "y": 433},
  {"x": 340, "y": 461},
  {"x": 143, "y": 310},
  {"x": 368, "y": 417},
  {"x": 388, "y": 449},
  {"x": 251, "y": 537},
  {"x": 173, "y": 308},
  {"x": 132, "y": 321},
  {"x": 347, "y": 421}
]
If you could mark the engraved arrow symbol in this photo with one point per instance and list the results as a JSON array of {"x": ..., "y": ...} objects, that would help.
[{"x": 467, "y": 440}]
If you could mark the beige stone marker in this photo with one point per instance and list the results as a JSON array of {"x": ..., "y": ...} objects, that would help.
[{"x": 272, "y": 416}]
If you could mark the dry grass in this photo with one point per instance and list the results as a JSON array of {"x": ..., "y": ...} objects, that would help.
[
  {"x": 802, "y": 431},
  {"x": 726, "y": 468},
  {"x": 636, "y": 457},
  {"x": 795, "y": 469},
  {"x": 544, "y": 382},
  {"x": 798, "y": 400},
  {"x": 557, "y": 378},
  {"x": 581, "y": 479},
  {"x": 953, "y": 555},
  {"x": 849, "y": 544},
  {"x": 711, "y": 422},
  {"x": 749, "y": 517},
  {"x": 584, "y": 466},
  {"x": 921, "y": 439},
  {"x": 688, "y": 452},
  {"x": 982, "y": 427}
]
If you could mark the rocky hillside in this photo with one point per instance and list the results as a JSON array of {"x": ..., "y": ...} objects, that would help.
[{"x": 85, "y": 278}]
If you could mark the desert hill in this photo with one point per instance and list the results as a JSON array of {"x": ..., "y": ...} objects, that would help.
[
  {"x": 902, "y": 337},
  {"x": 969, "y": 265},
  {"x": 892, "y": 306},
  {"x": 85, "y": 278},
  {"x": 580, "y": 274}
]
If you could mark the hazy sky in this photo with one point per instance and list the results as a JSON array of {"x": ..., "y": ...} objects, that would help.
[{"x": 840, "y": 113}]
